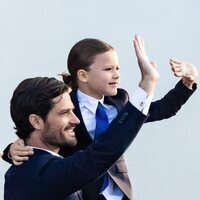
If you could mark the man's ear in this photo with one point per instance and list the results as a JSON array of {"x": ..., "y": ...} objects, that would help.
[
  {"x": 82, "y": 75},
  {"x": 36, "y": 121}
]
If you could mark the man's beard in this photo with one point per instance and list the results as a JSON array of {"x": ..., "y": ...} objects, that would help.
[{"x": 56, "y": 138}]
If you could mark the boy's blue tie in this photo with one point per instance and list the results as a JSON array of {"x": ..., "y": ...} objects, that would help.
[{"x": 102, "y": 124}]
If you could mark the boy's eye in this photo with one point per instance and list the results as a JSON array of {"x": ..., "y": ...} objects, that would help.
[
  {"x": 111, "y": 68},
  {"x": 107, "y": 69}
]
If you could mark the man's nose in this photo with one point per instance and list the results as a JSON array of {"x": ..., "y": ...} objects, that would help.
[{"x": 74, "y": 119}]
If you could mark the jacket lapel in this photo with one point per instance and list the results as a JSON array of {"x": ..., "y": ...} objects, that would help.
[{"x": 82, "y": 134}]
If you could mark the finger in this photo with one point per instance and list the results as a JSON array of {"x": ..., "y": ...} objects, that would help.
[
  {"x": 178, "y": 74},
  {"x": 137, "y": 49},
  {"x": 142, "y": 44},
  {"x": 139, "y": 43},
  {"x": 1, "y": 153},
  {"x": 25, "y": 148},
  {"x": 15, "y": 147},
  {"x": 175, "y": 61},
  {"x": 17, "y": 163},
  {"x": 19, "y": 158},
  {"x": 22, "y": 153},
  {"x": 176, "y": 68},
  {"x": 20, "y": 142},
  {"x": 16, "y": 150}
]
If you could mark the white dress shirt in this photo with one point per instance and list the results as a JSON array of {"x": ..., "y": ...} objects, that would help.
[{"x": 88, "y": 106}]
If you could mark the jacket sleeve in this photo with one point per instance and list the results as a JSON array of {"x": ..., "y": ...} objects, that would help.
[
  {"x": 171, "y": 103},
  {"x": 65, "y": 176},
  {"x": 5, "y": 154}
]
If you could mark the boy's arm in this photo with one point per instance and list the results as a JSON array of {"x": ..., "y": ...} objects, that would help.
[
  {"x": 16, "y": 153},
  {"x": 172, "y": 102},
  {"x": 5, "y": 153}
]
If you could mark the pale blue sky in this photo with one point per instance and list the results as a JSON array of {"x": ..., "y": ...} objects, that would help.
[{"x": 36, "y": 36}]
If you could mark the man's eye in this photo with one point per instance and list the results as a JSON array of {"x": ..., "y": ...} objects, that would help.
[{"x": 64, "y": 113}]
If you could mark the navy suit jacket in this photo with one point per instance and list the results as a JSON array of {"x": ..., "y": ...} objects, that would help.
[
  {"x": 164, "y": 108},
  {"x": 48, "y": 177}
]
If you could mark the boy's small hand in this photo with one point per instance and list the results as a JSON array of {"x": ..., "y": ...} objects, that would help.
[
  {"x": 185, "y": 70},
  {"x": 149, "y": 73},
  {"x": 19, "y": 152}
]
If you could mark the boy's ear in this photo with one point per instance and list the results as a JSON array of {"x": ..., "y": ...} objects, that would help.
[
  {"x": 36, "y": 121},
  {"x": 82, "y": 75}
]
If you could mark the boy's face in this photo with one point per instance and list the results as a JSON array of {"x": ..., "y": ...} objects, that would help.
[
  {"x": 103, "y": 75},
  {"x": 60, "y": 123}
]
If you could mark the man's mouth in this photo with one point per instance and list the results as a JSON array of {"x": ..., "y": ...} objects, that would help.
[{"x": 70, "y": 131}]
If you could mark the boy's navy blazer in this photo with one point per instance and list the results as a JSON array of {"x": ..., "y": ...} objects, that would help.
[{"x": 164, "y": 108}]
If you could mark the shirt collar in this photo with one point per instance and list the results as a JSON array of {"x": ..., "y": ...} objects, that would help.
[
  {"x": 49, "y": 151},
  {"x": 88, "y": 101}
]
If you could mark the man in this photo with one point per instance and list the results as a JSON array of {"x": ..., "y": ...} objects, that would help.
[{"x": 42, "y": 111}]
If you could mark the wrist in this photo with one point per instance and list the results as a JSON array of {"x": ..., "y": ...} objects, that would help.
[
  {"x": 148, "y": 86},
  {"x": 188, "y": 83}
]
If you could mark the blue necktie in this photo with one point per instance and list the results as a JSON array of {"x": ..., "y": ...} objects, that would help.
[{"x": 102, "y": 124}]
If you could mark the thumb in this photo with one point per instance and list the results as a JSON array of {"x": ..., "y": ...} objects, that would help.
[
  {"x": 153, "y": 64},
  {"x": 20, "y": 142}
]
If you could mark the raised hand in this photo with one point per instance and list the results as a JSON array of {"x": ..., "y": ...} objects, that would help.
[
  {"x": 149, "y": 74},
  {"x": 19, "y": 152},
  {"x": 185, "y": 70}
]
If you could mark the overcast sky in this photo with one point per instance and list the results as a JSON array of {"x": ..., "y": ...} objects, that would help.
[{"x": 35, "y": 39}]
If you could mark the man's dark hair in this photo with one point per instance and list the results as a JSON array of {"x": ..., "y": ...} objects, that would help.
[{"x": 33, "y": 96}]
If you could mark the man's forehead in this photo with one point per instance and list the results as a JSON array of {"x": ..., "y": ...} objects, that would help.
[{"x": 63, "y": 100}]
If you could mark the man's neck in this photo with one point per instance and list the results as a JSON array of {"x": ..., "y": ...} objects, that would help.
[{"x": 35, "y": 142}]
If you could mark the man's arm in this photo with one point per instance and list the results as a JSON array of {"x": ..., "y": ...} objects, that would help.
[{"x": 72, "y": 173}]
